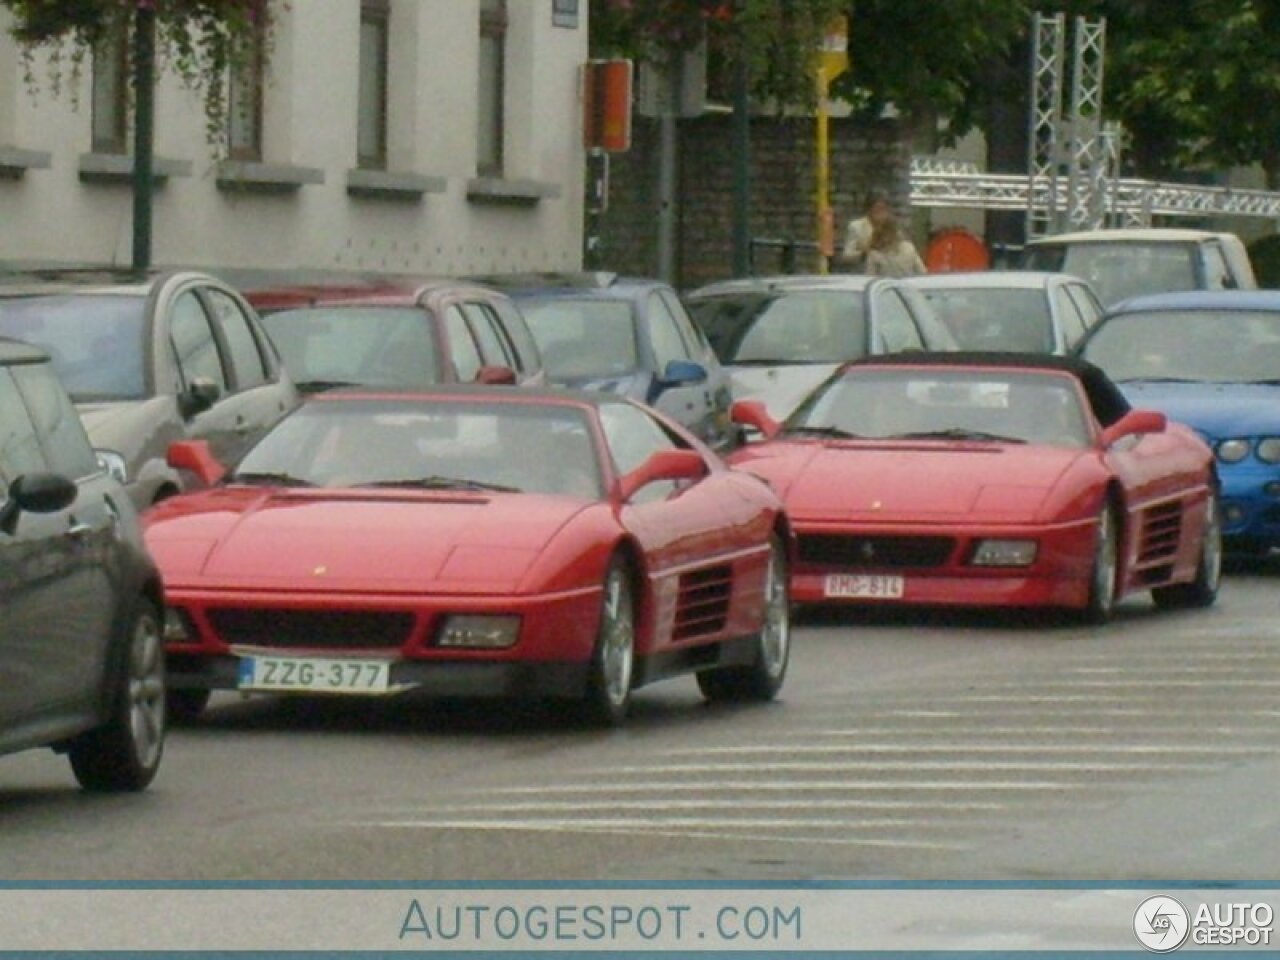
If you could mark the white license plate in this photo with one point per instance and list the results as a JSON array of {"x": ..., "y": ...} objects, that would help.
[
  {"x": 867, "y": 587},
  {"x": 314, "y": 674}
]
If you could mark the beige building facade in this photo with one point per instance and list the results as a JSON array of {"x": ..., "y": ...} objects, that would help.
[{"x": 383, "y": 136}]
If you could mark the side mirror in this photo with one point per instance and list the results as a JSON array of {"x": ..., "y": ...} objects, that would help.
[
  {"x": 752, "y": 413},
  {"x": 201, "y": 394},
  {"x": 42, "y": 492},
  {"x": 196, "y": 457},
  {"x": 683, "y": 373},
  {"x": 497, "y": 376},
  {"x": 664, "y": 465},
  {"x": 1134, "y": 423}
]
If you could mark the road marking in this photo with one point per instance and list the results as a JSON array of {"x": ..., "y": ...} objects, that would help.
[{"x": 923, "y": 766}]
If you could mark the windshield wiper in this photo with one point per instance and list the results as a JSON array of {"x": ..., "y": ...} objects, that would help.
[
  {"x": 824, "y": 432},
  {"x": 1159, "y": 380},
  {"x": 438, "y": 482},
  {"x": 956, "y": 433},
  {"x": 319, "y": 386},
  {"x": 267, "y": 478}
]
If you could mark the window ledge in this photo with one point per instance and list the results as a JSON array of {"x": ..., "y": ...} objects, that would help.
[
  {"x": 255, "y": 177},
  {"x": 392, "y": 185},
  {"x": 521, "y": 192},
  {"x": 117, "y": 168},
  {"x": 14, "y": 161}
]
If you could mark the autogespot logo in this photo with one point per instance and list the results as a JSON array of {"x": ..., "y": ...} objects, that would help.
[{"x": 1161, "y": 924}]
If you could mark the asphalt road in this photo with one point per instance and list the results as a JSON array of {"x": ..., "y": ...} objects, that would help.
[{"x": 905, "y": 745}]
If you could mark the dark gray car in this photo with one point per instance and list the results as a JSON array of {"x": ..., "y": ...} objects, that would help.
[
  {"x": 81, "y": 657},
  {"x": 168, "y": 357}
]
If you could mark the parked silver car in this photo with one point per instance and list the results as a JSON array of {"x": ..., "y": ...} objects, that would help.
[{"x": 153, "y": 360}]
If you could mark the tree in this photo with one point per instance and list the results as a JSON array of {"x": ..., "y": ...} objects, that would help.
[{"x": 200, "y": 40}]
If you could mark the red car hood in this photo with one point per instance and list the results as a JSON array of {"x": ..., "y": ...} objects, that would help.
[
  {"x": 899, "y": 483},
  {"x": 353, "y": 541}
]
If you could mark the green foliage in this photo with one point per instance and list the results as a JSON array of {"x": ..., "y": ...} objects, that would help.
[{"x": 199, "y": 40}]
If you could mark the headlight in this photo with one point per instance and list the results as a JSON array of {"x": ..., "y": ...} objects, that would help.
[
  {"x": 113, "y": 464},
  {"x": 1004, "y": 553},
  {"x": 1232, "y": 451},
  {"x": 1269, "y": 449},
  {"x": 177, "y": 626},
  {"x": 481, "y": 632}
]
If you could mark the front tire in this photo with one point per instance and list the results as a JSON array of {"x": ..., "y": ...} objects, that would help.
[
  {"x": 124, "y": 753},
  {"x": 1203, "y": 590},
  {"x": 608, "y": 695},
  {"x": 1105, "y": 572},
  {"x": 762, "y": 678}
]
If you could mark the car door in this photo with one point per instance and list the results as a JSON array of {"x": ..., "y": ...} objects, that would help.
[
  {"x": 526, "y": 348},
  {"x": 687, "y": 403},
  {"x": 57, "y": 583},
  {"x": 486, "y": 330},
  {"x": 718, "y": 394},
  {"x": 257, "y": 394},
  {"x": 199, "y": 361},
  {"x": 463, "y": 351},
  {"x": 683, "y": 528}
]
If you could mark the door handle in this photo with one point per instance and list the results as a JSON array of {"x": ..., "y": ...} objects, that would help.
[{"x": 79, "y": 530}]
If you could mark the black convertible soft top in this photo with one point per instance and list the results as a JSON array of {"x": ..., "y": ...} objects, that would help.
[{"x": 1108, "y": 403}]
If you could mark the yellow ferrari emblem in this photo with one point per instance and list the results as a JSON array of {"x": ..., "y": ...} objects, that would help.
[
  {"x": 876, "y": 504},
  {"x": 320, "y": 571}
]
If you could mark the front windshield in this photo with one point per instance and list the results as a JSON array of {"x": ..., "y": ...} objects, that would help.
[
  {"x": 995, "y": 319},
  {"x": 1235, "y": 346},
  {"x": 366, "y": 346},
  {"x": 783, "y": 327},
  {"x": 583, "y": 339},
  {"x": 945, "y": 404},
  {"x": 1119, "y": 270},
  {"x": 97, "y": 342},
  {"x": 428, "y": 445}
]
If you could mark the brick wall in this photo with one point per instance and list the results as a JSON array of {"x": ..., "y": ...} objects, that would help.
[{"x": 863, "y": 156}]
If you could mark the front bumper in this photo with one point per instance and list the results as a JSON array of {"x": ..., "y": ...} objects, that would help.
[
  {"x": 1059, "y": 576},
  {"x": 1249, "y": 515}
]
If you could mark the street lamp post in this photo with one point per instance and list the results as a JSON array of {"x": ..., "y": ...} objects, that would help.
[{"x": 144, "y": 85}]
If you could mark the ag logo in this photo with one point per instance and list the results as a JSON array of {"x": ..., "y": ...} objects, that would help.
[{"x": 1161, "y": 924}]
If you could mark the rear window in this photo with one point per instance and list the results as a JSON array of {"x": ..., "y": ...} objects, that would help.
[
  {"x": 1117, "y": 271},
  {"x": 1015, "y": 320},
  {"x": 783, "y": 327},
  {"x": 581, "y": 338}
]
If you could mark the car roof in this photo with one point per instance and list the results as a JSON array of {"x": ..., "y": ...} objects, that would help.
[
  {"x": 1202, "y": 300},
  {"x": 390, "y": 293},
  {"x": 16, "y": 351},
  {"x": 989, "y": 280},
  {"x": 599, "y": 285},
  {"x": 1130, "y": 235},
  {"x": 1108, "y": 403},
  {"x": 92, "y": 281},
  {"x": 856, "y": 282},
  {"x": 547, "y": 396}
]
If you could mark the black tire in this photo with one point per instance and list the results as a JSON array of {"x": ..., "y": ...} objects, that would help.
[
  {"x": 608, "y": 693},
  {"x": 1203, "y": 590},
  {"x": 186, "y": 705},
  {"x": 761, "y": 679},
  {"x": 124, "y": 753},
  {"x": 1104, "y": 575}
]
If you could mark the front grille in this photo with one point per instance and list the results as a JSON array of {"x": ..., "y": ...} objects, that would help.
[
  {"x": 702, "y": 606},
  {"x": 1161, "y": 532},
  {"x": 327, "y": 629},
  {"x": 874, "y": 553}
]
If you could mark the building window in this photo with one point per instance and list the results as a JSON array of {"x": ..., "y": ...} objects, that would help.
[
  {"x": 371, "y": 119},
  {"x": 110, "y": 95},
  {"x": 244, "y": 104},
  {"x": 564, "y": 13},
  {"x": 491, "y": 106}
]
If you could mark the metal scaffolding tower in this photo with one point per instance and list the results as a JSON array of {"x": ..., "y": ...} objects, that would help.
[
  {"x": 1086, "y": 159},
  {"x": 1047, "y": 33}
]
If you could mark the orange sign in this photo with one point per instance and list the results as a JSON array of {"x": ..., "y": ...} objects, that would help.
[{"x": 606, "y": 94}]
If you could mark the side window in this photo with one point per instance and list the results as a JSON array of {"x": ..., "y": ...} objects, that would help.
[
  {"x": 897, "y": 331},
  {"x": 1073, "y": 325},
  {"x": 462, "y": 346},
  {"x": 935, "y": 334},
  {"x": 1216, "y": 274},
  {"x": 633, "y": 437},
  {"x": 246, "y": 356},
  {"x": 664, "y": 335},
  {"x": 194, "y": 346},
  {"x": 19, "y": 449},
  {"x": 493, "y": 345},
  {"x": 57, "y": 425},
  {"x": 518, "y": 333},
  {"x": 1086, "y": 303}
]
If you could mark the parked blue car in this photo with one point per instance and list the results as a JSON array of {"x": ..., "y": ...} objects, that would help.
[
  {"x": 629, "y": 336},
  {"x": 1210, "y": 359}
]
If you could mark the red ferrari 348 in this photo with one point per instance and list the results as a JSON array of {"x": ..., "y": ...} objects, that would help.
[
  {"x": 989, "y": 480},
  {"x": 472, "y": 541}
]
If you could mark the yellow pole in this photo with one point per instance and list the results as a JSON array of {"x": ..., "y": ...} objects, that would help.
[{"x": 822, "y": 199}]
